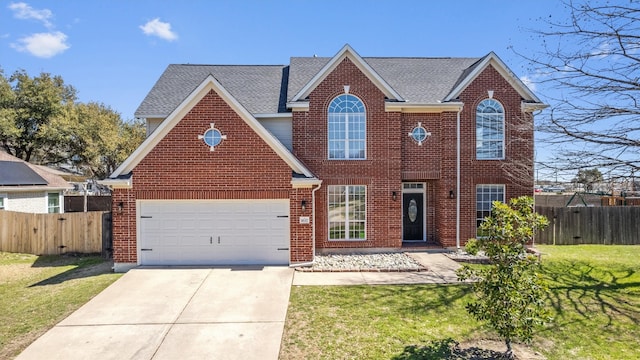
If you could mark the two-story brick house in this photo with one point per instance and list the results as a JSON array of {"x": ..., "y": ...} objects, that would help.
[{"x": 269, "y": 164}]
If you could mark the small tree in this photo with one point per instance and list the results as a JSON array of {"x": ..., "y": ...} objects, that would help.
[
  {"x": 510, "y": 292},
  {"x": 588, "y": 178}
]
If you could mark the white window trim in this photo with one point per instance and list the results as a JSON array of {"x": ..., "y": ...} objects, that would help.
[
  {"x": 346, "y": 221},
  {"x": 346, "y": 126},
  {"x": 504, "y": 122},
  {"x": 504, "y": 196},
  {"x": 3, "y": 198}
]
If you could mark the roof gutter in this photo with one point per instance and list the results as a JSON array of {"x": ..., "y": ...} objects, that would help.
[{"x": 11, "y": 189}]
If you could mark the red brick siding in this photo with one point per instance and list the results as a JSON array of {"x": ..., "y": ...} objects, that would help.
[
  {"x": 244, "y": 167},
  {"x": 393, "y": 157},
  {"x": 380, "y": 172},
  {"x": 181, "y": 166},
  {"x": 301, "y": 249},
  {"x": 518, "y": 150}
]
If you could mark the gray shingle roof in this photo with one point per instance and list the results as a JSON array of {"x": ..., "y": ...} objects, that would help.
[
  {"x": 257, "y": 88},
  {"x": 266, "y": 88}
]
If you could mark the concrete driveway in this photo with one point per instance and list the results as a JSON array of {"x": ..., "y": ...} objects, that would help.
[{"x": 176, "y": 313}]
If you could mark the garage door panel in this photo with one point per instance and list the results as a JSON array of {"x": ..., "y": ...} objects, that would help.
[{"x": 214, "y": 232}]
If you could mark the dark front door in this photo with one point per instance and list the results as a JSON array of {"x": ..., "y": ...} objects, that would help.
[{"x": 412, "y": 217}]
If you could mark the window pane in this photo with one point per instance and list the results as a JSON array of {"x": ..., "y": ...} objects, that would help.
[
  {"x": 347, "y": 127},
  {"x": 347, "y": 212},
  {"x": 485, "y": 196},
  {"x": 53, "y": 202},
  {"x": 489, "y": 130}
]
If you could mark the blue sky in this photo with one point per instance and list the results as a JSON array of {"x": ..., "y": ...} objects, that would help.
[{"x": 114, "y": 51}]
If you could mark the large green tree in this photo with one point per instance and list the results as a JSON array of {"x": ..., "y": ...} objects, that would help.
[
  {"x": 510, "y": 293},
  {"x": 102, "y": 140},
  {"x": 34, "y": 124},
  {"x": 41, "y": 122}
]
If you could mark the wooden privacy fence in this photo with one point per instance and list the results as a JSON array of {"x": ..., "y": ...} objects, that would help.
[
  {"x": 50, "y": 234},
  {"x": 610, "y": 225}
]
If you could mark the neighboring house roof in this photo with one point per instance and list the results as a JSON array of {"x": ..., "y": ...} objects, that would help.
[
  {"x": 265, "y": 89},
  {"x": 19, "y": 175},
  {"x": 120, "y": 176}
]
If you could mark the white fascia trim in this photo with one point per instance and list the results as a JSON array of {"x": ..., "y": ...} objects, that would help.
[
  {"x": 299, "y": 183},
  {"x": 117, "y": 183},
  {"x": 146, "y": 116},
  {"x": 423, "y": 108},
  {"x": 531, "y": 107},
  {"x": 298, "y": 106},
  {"x": 273, "y": 116},
  {"x": 347, "y": 51},
  {"x": 210, "y": 83},
  {"x": 503, "y": 69}
]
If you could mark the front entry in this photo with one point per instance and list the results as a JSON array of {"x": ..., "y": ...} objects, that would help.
[{"x": 413, "y": 219}]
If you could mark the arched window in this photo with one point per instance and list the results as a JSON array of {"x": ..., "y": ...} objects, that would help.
[
  {"x": 489, "y": 130},
  {"x": 347, "y": 128}
]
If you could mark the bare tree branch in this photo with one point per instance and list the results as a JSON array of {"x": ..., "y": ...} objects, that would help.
[{"x": 591, "y": 61}]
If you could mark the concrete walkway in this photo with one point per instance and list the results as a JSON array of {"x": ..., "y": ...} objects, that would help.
[
  {"x": 441, "y": 270},
  {"x": 160, "y": 313},
  {"x": 202, "y": 313}
]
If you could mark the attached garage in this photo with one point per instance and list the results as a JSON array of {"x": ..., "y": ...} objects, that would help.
[{"x": 213, "y": 232}]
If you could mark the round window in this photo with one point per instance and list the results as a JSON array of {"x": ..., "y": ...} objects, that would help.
[
  {"x": 212, "y": 137},
  {"x": 419, "y": 134}
]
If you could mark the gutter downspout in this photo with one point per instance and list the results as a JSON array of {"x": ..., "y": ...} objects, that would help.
[
  {"x": 458, "y": 180},
  {"x": 313, "y": 230}
]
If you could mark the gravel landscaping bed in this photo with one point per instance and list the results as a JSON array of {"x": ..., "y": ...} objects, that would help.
[{"x": 384, "y": 262}]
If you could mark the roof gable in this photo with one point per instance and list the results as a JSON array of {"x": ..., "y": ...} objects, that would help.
[
  {"x": 347, "y": 52},
  {"x": 209, "y": 83},
  {"x": 491, "y": 59}
]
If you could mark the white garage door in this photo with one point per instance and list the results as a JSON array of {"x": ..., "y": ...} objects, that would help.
[{"x": 220, "y": 232}]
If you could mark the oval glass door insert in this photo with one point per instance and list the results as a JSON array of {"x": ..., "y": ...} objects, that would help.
[{"x": 413, "y": 210}]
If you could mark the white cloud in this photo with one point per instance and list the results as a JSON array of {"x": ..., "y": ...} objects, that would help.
[
  {"x": 160, "y": 29},
  {"x": 24, "y": 11},
  {"x": 43, "y": 45}
]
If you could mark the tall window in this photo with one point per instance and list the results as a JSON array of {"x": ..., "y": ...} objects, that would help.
[
  {"x": 347, "y": 129},
  {"x": 53, "y": 203},
  {"x": 2, "y": 201},
  {"x": 347, "y": 212},
  {"x": 489, "y": 130},
  {"x": 485, "y": 196}
]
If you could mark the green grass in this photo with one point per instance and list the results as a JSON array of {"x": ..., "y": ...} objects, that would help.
[
  {"x": 37, "y": 292},
  {"x": 594, "y": 298}
]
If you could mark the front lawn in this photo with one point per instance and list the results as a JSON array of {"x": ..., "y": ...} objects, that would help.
[
  {"x": 37, "y": 292},
  {"x": 594, "y": 298}
]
